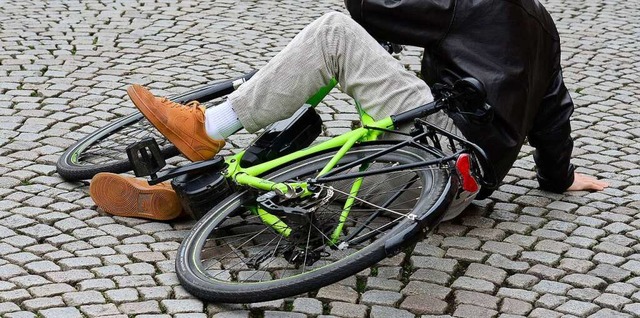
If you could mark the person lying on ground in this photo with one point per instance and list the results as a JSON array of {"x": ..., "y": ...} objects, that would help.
[{"x": 511, "y": 46}]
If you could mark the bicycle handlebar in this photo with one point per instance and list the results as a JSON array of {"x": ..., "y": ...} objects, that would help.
[{"x": 210, "y": 92}]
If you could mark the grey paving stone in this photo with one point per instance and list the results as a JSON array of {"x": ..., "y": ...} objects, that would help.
[
  {"x": 382, "y": 298},
  {"x": 522, "y": 281},
  {"x": 515, "y": 306},
  {"x": 14, "y": 295},
  {"x": 552, "y": 246},
  {"x": 526, "y": 295},
  {"x": 268, "y": 305},
  {"x": 122, "y": 295},
  {"x": 612, "y": 301},
  {"x": 67, "y": 312},
  {"x": 585, "y": 281},
  {"x": 476, "y": 299},
  {"x": 96, "y": 284},
  {"x": 474, "y": 311},
  {"x": 8, "y": 307},
  {"x": 610, "y": 273},
  {"x": 9, "y": 270},
  {"x": 605, "y": 258},
  {"x": 465, "y": 255},
  {"x": 36, "y": 304},
  {"x": 134, "y": 281},
  {"x": 389, "y": 272},
  {"x": 633, "y": 309},
  {"x": 307, "y": 306},
  {"x": 551, "y": 287},
  {"x": 384, "y": 284},
  {"x": 337, "y": 293},
  {"x": 578, "y": 308},
  {"x": 424, "y": 305},
  {"x": 550, "y": 301},
  {"x": 381, "y": 312},
  {"x": 500, "y": 261},
  {"x": 613, "y": 248},
  {"x": 422, "y": 288},
  {"x": 174, "y": 306},
  {"x": 540, "y": 258},
  {"x": 109, "y": 271},
  {"x": 546, "y": 272},
  {"x": 506, "y": 249},
  {"x": 51, "y": 290},
  {"x": 157, "y": 293},
  {"x": 80, "y": 262},
  {"x": 347, "y": 310},
  {"x": 473, "y": 284},
  {"x": 606, "y": 313},
  {"x": 461, "y": 242},
  {"x": 444, "y": 265},
  {"x": 481, "y": 271},
  {"x": 71, "y": 276},
  {"x": 279, "y": 314},
  {"x": 143, "y": 307},
  {"x": 622, "y": 289},
  {"x": 583, "y": 294},
  {"x": 58, "y": 83},
  {"x": 575, "y": 265},
  {"x": 83, "y": 298}
]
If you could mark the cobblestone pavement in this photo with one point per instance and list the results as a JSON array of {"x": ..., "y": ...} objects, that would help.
[{"x": 64, "y": 67}]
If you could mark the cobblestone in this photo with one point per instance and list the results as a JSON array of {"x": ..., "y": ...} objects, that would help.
[
  {"x": 424, "y": 305},
  {"x": 578, "y": 308},
  {"x": 347, "y": 310},
  {"x": 63, "y": 73},
  {"x": 67, "y": 312},
  {"x": 477, "y": 299},
  {"x": 307, "y": 306},
  {"x": 474, "y": 311}
]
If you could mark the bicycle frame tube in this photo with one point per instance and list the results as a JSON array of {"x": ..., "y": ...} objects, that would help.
[{"x": 249, "y": 176}]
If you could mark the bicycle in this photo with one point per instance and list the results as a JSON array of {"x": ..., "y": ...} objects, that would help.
[{"x": 293, "y": 217}]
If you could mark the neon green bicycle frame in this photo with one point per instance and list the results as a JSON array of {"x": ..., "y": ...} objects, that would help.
[{"x": 248, "y": 177}]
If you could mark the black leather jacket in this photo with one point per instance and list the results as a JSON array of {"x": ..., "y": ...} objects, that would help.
[{"x": 512, "y": 47}]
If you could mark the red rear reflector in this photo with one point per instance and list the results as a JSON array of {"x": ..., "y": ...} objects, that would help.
[{"x": 463, "y": 165}]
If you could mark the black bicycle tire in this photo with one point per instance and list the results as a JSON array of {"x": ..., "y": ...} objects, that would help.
[
  {"x": 71, "y": 171},
  {"x": 214, "y": 291}
]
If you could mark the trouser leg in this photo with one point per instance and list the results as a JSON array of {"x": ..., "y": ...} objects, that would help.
[{"x": 333, "y": 46}]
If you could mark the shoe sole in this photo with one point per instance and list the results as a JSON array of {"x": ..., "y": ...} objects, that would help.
[
  {"x": 116, "y": 195},
  {"x": 174, "y": 138}
]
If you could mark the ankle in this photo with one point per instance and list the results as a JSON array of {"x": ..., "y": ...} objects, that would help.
[{"x": 221, "y": 121}]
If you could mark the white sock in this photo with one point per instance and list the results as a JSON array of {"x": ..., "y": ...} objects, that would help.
[{"x": 221, "y": 121}]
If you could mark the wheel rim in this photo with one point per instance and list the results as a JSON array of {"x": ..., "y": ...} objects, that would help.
[
  {"x": 242, "y": 250},
  {"x": 110, "y": 147}
]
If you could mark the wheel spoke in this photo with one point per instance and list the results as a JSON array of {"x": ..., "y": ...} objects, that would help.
[{"x": 241, "y": 249}]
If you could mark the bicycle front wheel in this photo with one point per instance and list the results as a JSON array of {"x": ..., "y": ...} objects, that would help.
[
  {"x": 232, "y": 256},
  {"x": 105, "y": 149}
]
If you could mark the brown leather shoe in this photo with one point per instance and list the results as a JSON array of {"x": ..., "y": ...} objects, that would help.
[
  {"x": 183, "y": 125},
  {"x": 131, "y": 197}
]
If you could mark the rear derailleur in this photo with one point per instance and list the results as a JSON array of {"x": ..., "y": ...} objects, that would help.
[{"x": 310, "y": 229}]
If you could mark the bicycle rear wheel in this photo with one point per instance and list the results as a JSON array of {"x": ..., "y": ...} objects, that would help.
[{"x": 232, "y": 256}]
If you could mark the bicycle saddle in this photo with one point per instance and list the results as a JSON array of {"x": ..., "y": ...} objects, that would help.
[{"x": 467, "y": 97}]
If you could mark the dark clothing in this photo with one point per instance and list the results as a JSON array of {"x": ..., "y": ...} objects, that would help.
[{"x": 513, "y": 48}]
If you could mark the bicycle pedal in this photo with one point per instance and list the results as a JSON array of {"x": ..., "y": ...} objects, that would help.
[{"x": 145, "y": 157}]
